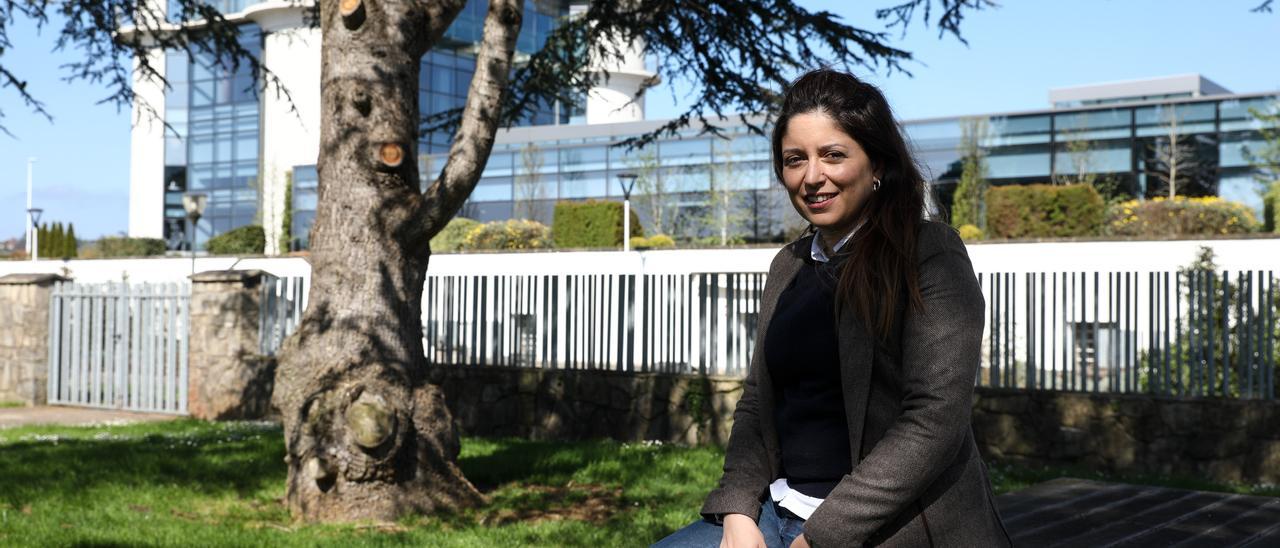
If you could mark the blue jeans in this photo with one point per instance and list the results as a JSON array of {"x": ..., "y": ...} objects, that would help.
[{"x": 778, "y": 531}]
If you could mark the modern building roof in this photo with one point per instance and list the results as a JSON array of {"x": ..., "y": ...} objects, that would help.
[{"x": 1164, "y": 87}]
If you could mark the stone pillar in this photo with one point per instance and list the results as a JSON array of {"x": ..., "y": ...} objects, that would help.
[
  {"x": 24, "y": 337},
  {"x": 228, "y": 378}
]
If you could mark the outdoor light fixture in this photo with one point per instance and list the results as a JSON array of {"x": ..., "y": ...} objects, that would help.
[
  {"x": 193, "y": 203},
  {"x": 33, "y": 214},
  {"x": 628, "y": 182}
]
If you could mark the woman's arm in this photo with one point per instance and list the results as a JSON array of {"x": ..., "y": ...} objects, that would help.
[
  {"x": 941, "y": 348},
  {"x": 746, "y": 465},
  {"x": 746, "y": 461}
]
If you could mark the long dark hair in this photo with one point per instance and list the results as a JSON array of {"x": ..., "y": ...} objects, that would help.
[{"x": 880, "y": 260}]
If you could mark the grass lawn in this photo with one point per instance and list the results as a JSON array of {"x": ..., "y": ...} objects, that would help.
[{"x": 220, "y": 484}]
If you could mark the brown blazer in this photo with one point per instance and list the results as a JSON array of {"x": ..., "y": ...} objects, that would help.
[{"x": 917, "y": 479}]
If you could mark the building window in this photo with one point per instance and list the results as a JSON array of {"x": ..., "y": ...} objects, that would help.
[
  {"x": 213, "y": 146},
  {"x": 305, "y": 193}
]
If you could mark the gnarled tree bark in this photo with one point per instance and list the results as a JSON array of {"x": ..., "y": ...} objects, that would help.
[{"x": 367, "y": 437}]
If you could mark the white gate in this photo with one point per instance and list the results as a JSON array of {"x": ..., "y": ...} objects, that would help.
[{"x": 119, "y": 346}]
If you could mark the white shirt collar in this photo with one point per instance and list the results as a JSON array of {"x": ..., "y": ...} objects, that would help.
[{"x": 815, "y": 248}]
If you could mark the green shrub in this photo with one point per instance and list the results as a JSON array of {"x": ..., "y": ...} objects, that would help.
[
  {"x": 120, "y": 246},
  {"x": 244, "y": 240},
  {"x": 1181, "y": 216},
  {"x": 1271, "y": 208},
  {"x": 450, "y": 238},
  {"x": 1038, "y": 211},
  {"x": 512, "y": 234},
  {"x": 657, "y": 241},
  {"x": 970, "y": 233},
  {"x": 591, "y": 223}
]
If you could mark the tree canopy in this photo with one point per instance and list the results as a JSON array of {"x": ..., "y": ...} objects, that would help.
[{"x": 735, "y": 55}]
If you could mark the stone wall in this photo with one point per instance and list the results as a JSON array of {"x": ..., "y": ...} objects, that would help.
[
  {"x": 24, "y": 337},
  {"x": 1218, "y": 439},
  {"x": 227, "y": 377},
  {"x": 1223, "y": 440},
  {"x": 549, "y": 404}
]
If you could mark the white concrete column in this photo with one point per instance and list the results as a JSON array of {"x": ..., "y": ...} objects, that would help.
[
  {"x": 616, "y": 97},
  {"x": 146, "y": 153},
  {"x": 290, "y": 138}
]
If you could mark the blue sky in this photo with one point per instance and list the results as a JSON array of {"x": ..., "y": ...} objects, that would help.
[{"x": 1015, "y": 54}]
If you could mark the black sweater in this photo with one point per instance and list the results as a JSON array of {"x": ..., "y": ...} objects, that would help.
[{"x": 802, "y": 358}]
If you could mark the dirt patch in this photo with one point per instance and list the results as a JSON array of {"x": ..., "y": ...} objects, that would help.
[
  {"x": 73, "y": 416},
  {"x": 533, "y": 503}
]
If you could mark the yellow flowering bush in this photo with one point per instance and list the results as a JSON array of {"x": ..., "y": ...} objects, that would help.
[
  {"x": 657, "y": 241},
  {"x": 508, "y": 235},
  {"x": 1180, "y": 216},
  {"x": 969, "y": 233}
]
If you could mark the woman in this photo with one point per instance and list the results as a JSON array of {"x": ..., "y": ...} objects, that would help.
[{"x": 853, "y": 427}]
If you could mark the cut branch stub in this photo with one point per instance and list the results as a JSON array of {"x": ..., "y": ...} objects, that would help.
[
  {"x": 390, "y": 155},
  {"x": 318, "y": 470},
  {"x": 353, "y": 13},
  {"x": 370, "y": 421}
]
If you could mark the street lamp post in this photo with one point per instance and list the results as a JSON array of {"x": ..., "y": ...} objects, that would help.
[
  {"x": 193, "y": 203},
  {"x": 31, "y": 229},
  {"x": 628, "y": 182},
  {"x": 33, "y": 216}
]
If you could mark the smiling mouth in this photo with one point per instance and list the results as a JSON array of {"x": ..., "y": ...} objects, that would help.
[{"x": 819, "y": 199}]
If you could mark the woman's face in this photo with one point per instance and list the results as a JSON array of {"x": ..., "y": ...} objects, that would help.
[{"x": 826, "y": 173}]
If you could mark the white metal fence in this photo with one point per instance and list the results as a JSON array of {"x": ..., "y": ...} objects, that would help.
[
  {"x": 677, "y": 323},
  {"x": 283, "y": 302},
  {"x": 1169, "y": 333},
  {"x": 119, "y": 346},
  {"x": 1184, "y": 333}
]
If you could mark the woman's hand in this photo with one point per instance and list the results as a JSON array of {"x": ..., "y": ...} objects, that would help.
[
  {"x": 800, "y": 542},
  {"x": 741, "y": 531}
]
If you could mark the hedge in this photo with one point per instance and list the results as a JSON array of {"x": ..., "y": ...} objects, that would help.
[
  {"x": 1271, "y": 208},
  {"x": 657, "y": 241},
  {"x": 508, "y": 235},
  {"x": 244, "y": 240},
  {"x": 119, "y": 246},
  {"x": 1181, "y": 216},
  {"x": 1039, "y": 210},
  {"x": 592, "y": 223},
  {"x": 450, "y": 238}
]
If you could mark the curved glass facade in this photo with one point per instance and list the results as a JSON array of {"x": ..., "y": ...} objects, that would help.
[{"x": 212, "y": 147}]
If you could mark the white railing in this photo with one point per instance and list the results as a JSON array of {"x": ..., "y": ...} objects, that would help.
[
  {"x": 119, "y": 346},
  {"x": 676, "y": 323}
]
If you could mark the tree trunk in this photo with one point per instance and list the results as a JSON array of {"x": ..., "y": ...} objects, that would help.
[{"x": 367, "y": 437}]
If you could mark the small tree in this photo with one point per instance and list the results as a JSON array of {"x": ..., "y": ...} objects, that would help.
[
  {"x": 1266, "y": 164},
  {"x": 57, "y": 240},
  {"x": 726, "y": 185},
  {"x": 653, "y": 192},
  {"x": 1173, "y": 157},
  {"x": 42, "y": 240},
  {"x": 528, "y": 189},
  {"x": 1080, "y": 158},
  {"x": 286, "y": 221},
  {"x": 969, "y": 205},
  {"x": 69, "y": 244}
]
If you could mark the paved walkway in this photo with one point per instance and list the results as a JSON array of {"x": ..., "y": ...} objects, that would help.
[
  {"x": 70, "y": 416},
  {"x": 1073, "y": 512}
]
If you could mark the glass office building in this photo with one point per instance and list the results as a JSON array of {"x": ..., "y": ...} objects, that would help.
[
  {"x": 225, "y": 142},
  {"x": 530, "y": 169},
  {"x": 215, "y": 118},
  {"x": 1121, "y": 144},
  {"x": 212, "y": 147},
  {"x": 443, "y": 82}
]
